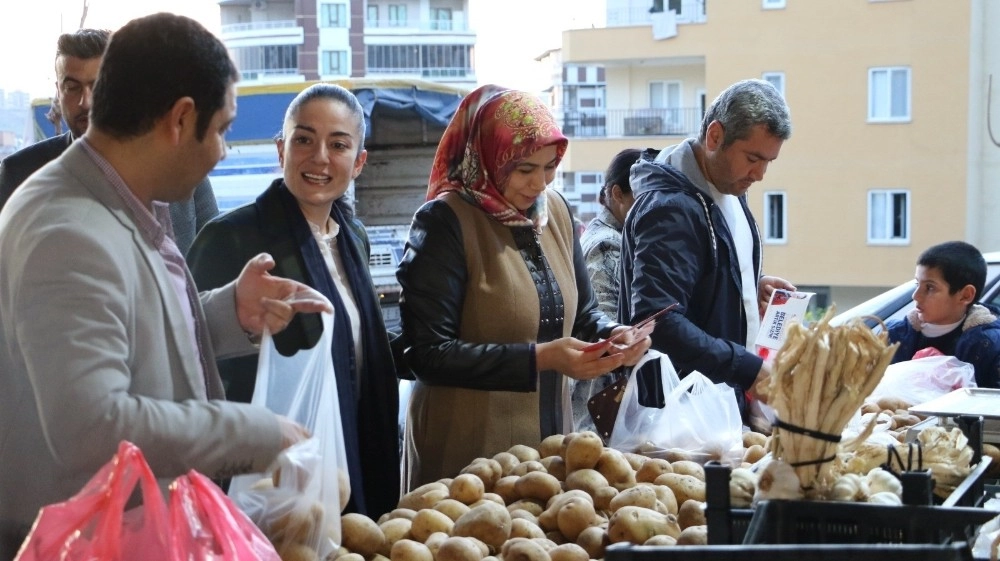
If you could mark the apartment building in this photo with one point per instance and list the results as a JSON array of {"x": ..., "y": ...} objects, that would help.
[
  {"x": 896, "y": 132},
  {"x": 280, "y": 41}
]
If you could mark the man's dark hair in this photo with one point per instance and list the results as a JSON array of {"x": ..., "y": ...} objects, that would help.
[
  {"x": 151, "y": 63},
  {"x": 744, "y": 105},
  {"x": 960, "y": 264},
  {"x": 83, "y": 43}
]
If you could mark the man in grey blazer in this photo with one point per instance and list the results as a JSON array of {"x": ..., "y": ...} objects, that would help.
[
  {"x": 103, "y": 336},
  {"x": 78, "y": 59}
]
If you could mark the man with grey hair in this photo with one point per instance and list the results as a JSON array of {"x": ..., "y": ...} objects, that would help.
[
  {"x": 691, "y": 240},
  {"x": 78, "y": 59}
]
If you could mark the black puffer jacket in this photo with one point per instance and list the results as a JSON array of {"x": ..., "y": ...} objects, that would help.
[{"x": 676, "y": 247}]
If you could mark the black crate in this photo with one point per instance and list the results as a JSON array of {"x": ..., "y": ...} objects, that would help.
[
  {"x": 883, "y": 552},
  {"x": 831, "y": 522}
]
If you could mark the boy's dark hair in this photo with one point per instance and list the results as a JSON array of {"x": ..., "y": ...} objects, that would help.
[
  {"x": 83, "y": 43},
  {"x": 960, "y": 264},
  {"x": 618, "y": 173},
  {"x": 151, "y": 63}
]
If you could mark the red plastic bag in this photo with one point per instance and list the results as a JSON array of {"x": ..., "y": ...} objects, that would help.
[
  {"x": 207, "y": 526},
  {"x": 93, "y": 525}
]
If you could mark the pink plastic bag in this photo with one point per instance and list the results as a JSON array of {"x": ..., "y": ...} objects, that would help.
[
  {"x": 207, "y": 526},
  {"x": 93, "y": 525}
]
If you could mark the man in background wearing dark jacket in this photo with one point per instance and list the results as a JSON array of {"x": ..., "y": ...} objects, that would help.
[
  {"x": 78, "y": 59},
  {"x": 690, "y": 239}
]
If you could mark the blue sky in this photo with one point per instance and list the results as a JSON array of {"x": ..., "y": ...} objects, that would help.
[{"x": 511, "y": 34}]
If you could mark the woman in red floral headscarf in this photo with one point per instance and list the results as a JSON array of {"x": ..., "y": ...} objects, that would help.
[{"x": 496, "y": 304}]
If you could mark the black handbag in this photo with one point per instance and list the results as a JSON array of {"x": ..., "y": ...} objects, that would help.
[{"x": 603, "y": 406}]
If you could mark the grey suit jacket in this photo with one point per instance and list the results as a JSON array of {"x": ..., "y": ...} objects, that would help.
[{"x": 94, "y": 349}]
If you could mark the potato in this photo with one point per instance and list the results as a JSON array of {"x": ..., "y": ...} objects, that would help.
[
  {"x": 263, "y": 484},
  {"x": 428, "y": 521},
  {"x": 505, "y": 487},
  {"x": 901, "y": 421},
  {"x": 574, "y": 517},
  {"x": 410, "y": 550},
  {"x": 527, "y": 467},
  {"x": 586, "y": 479},
  {"x": 489, "y": 498},
  {"x": 489, "y": 522},
  {"x": 350, "y": 557},
  {"x": 583, "y": 451},
  {"x": 425, "y": 496},
  {"x": 556, "y": 466},
  {"x": 523, "y": 549},
  {"x": 870, "y": 407},
  {"x": 458, "y": 549},
  {"x": 550, "y": 446},
  {"x": 666, "y": 496},
  {"x": 554, "y": 537},
  {"x": 635, "y": 460},
  {"x": 520, "y": 513},
  {"x": 407, "y": 513},
  {"x": 507, "y": 462},
  {"x": 297, "y": 552},
  {"x": 635, "y": 524},
  {"x": 616, "y": 469},
  {"x": 892, "y": 403},
  {"x": 593, "y": 540},
  {"x": 994, "y": 453},
  {"x": 547, "y": 520},
  {"x": 651, "y": 469},
  {"x": 661, "y": 541},
  {"x": 521, "y": 528},
  {"x": 489, "y": 470},
  {"x": 565, "y": 443},
  {"x": 534, "y": 506},
  {"x": 693, "y": 535},
  {"x": 684, "y": 486},
  {"x": 691, "y": 513},
  {"x": 435, "y": 540},
  {"x": 361, "y": 534},
  {"x": 754, "y": 453},
  {"x": 603, "y": 498},
  {"x": 466, "y": 488},
  {"x": 396, "y": 529},
  {"x": 750, "y": 438},
  {"x": 687, "y": 467},
  {"x": 525, "y": 453},
  {"x": 452, "y": 508},
  {"x": 640, "y": 495},
  {"x": 568, "y": 552},
  {"x": 537, "y": 485}
]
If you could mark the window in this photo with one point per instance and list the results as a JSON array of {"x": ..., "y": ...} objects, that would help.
[
  {"x": 333, "y": 15},
  {"x": 372, "y": 17},
  {"x": 254, "y": 62},
  {"x": 777, "y": 79},
  {"x": 428, "y": 60},
  {"x": 335, "y": 62},
  {"x": 441, "y": 19},
  {"x": 772, "y": 4},
  {"x": 775, "y": 219},
  {"x": 397, "y": 15},
  {"x": 889, "y": 216},
  {"x": 889, "y": 94}
]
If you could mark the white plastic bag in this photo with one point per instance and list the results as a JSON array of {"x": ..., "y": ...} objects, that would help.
[
  {"x": 923, "y": 379},
  {"x": 636, "y": 423},
  {"x": 703, "y": 419},
  {"x": 309, "y": 482}
]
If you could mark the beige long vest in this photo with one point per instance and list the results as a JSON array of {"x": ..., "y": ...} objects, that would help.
[{"x": 448, "y": 427}]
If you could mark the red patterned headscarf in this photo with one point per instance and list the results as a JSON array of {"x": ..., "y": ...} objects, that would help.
[{"x": 493, "y": 131}]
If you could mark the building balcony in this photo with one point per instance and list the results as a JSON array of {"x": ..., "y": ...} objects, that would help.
[
  {"x": 258, "y": 26},
  {"x": 686, "y": 11},
  {"x": 614, "y": 123},
  {"x": 267, "y": 74},
  {"x": 409, "y": 26}
]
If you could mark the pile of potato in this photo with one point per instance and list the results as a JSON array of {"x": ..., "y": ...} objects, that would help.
[{"x": 565, "y": 500}]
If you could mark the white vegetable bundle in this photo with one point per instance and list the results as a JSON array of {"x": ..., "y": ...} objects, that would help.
[{"x": 820, "y": 377}]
